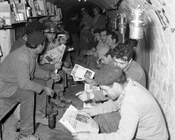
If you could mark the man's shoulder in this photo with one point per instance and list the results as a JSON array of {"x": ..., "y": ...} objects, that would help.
[
  {"x": 18, "y": 43},
  {"x": 20, "y": 54}
]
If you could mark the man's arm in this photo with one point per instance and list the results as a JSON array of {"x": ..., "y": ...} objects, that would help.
[
  {"x": 107, "y": 107},
  {"x": 21, "y": 67},
  {"x": 127, "y": 126},
  {"x": 40, "y": 73}
]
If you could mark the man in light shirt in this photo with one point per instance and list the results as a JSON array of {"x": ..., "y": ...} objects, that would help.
[{"x": 141, "y": 116}]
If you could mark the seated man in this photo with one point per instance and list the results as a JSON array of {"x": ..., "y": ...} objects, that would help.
[
  {"x": 140, "y": 117},
  {"x": 17, "y": 83}
]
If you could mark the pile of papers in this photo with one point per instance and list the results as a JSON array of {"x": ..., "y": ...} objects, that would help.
[
  {"x": 78, "y": 121},
  {"x": 79, "y": 73}
]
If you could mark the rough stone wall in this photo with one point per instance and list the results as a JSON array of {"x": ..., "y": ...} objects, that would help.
[{"x": 162, "y": 56}]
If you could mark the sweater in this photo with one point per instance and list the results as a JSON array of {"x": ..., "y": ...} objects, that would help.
[{"x": 141, "y": 116}]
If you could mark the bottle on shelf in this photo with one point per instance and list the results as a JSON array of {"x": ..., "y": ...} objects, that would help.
[{"x": 28, "y": 9}]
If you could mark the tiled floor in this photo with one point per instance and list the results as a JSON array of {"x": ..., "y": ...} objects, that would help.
[{"x": 59, "y": 133}]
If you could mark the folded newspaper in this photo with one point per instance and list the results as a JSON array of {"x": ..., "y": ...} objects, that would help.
[
  {"x": 55, "y": 54},
  {"x": 79, "y": 73},
  {"x": 89, "y": 88},
  {"x": 78, "y": 121}
]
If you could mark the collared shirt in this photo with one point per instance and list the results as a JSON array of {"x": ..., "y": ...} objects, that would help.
[
  {"x": 18, "y": 70},
  {"x": 141, "y": 116}
]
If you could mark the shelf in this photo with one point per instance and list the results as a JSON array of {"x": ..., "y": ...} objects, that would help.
[
  {"x": 22, "y": 22},
  {"x": 42, "y": 16},
  {"x": 11, "y": 26}
]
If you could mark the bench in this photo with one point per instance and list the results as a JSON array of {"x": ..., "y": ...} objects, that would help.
[{"x": 5, "y": 108}]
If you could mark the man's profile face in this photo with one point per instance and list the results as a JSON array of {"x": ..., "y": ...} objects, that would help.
[
  {"x": 40, "y": 48},
  {"x": 113, "y": 91},
  {"x": 97, "y": 36},
  {"x": 121, "y": 63},
  {"x": 106, "y": 59},
  {"x": 50, "y": 36},
  {"x": 103, "y": 36},
  {"x": 63, "y": 40}
]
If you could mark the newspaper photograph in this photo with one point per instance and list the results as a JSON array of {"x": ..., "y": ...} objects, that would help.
[
  {"x": 81, "y": 72},
  {"x": 78, "y": 121}
]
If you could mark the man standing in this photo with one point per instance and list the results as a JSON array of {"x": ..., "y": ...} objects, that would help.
[{"x": 17, "y": 73}]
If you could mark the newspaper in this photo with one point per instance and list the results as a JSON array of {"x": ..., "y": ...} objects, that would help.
[
  {"x": 77, "y": 121},
  {"x": 89, "y": 88},
  {"x": 79, "y": 73},
  {"x": 55, "y": 54}
]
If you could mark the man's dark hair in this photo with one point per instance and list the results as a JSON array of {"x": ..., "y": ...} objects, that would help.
[
  {"x": 34, "y": 26},
  {"x": 132, "y": 42},
  {"x": 31, "y": 46},
  {"x": 97, "y": 30},
  {"x": 113, "y": 35},
  {"x": 123, "y": 51},
  {"x": 104, "y": 29}
]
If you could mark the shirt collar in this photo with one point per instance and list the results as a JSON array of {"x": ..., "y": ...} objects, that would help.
[{"x": 128, "y": 66}]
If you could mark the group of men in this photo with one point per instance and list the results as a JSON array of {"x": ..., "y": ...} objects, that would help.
[
  {"x": 25, "y": 80},
  {"x": 128, "y": 111}
]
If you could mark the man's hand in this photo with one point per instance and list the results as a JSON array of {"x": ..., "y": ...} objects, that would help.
[
  {"x": 81, "y": 136},
  {"x": 90, "y": 81},
  {"x": 48, "y": 91},
  {"x": 67, "y": 70},
  {"x": 85, "y": 96},
  {"x": 55, "y": 76},
  {"x": 58, "y": 65}
]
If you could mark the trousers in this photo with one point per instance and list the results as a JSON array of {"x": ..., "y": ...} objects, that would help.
[{"x": 30, "y": 102}]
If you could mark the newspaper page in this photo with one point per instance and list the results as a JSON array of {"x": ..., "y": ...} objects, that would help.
[
  {"x": 79, "y": 73},
  {"x": 55, "y": 54},
  {"x": 90, "y": 88},
  {"x": 77, "y": 121}
]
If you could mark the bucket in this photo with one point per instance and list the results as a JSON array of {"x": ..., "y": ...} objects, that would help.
[{"x": 136, "y": 30}]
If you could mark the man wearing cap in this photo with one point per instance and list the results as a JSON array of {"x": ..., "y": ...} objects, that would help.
[
  {"x": 141, "y": 117},
  {"x": 17, "y": 73},
  {"x": 34, "y": 26}
]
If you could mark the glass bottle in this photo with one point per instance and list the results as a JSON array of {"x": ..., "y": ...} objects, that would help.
[{"x": 28, "y": 9}]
